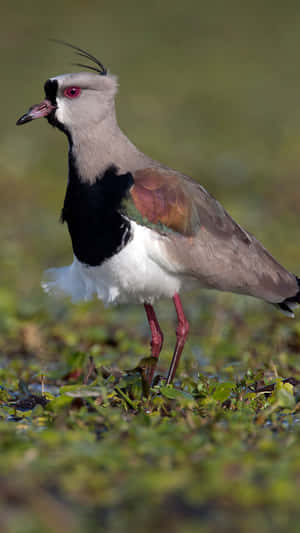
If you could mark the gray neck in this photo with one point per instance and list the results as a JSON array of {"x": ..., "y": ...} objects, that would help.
[{"x": 103, "y": 145}]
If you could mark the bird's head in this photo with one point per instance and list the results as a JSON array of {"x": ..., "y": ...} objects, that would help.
[{"x": 77, "y": 100}]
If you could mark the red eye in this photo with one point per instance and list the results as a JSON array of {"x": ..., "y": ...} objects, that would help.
[{"x": 72, "y": 92}]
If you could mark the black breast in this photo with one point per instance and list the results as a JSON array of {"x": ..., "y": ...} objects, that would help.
[{"x": 97, "y": 227}]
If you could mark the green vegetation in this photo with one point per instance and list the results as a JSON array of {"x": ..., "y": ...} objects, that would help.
[{"x": 211, "y": 89}]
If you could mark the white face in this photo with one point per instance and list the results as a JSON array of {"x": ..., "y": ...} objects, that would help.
[
  {"x": 76, "y": 103},
  {"x": 81, "y": 99}
]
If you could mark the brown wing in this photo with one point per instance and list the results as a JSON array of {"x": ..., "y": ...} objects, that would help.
[
  {"x": 165, "y": 197},
  {"x": 161, "y": 198},
  {"x": 217, "y": 252}
]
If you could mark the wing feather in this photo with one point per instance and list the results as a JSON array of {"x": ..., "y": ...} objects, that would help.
[
  {"x": 218, "y": 252},
  {"x": 165, "y": 197}
]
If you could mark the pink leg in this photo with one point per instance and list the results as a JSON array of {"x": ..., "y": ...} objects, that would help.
[
  {"x": 157, "y": 337},
  {"x": 182, "y": 332}
]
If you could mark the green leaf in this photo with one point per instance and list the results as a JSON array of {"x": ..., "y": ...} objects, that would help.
[
  {"x": 222, "y": 391},
  {"x": 168, "y": 391},
  {"x": 81, "y": 391},
  {"x": 284, "y": 395}
]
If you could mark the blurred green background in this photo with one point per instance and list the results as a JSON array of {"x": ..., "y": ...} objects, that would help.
[{"x": 208, "y": 88}]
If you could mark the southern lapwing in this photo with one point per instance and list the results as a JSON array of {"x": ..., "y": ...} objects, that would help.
[{"x": 141, "y": 231}]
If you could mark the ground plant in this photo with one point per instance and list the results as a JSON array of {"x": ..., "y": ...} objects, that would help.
[{"x": 85, "y": 444}]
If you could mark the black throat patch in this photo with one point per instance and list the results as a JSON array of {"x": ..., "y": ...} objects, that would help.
[
  {"x": 51, "y": 88},
  {"x": 97, "y": 227}
]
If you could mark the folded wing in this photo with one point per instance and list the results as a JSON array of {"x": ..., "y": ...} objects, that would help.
[{"x": 202, "y": 240}]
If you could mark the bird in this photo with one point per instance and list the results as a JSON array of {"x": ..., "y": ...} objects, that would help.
[{"x": 140, "y": 230}]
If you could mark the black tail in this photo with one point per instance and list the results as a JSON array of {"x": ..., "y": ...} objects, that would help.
[{"x": 290, "y": 303}]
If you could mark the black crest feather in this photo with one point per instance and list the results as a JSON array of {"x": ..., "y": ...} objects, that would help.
[{"x": 100, "y": 68}]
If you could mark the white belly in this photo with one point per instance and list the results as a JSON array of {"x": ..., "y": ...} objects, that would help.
[{"x": 137, "y": 274}]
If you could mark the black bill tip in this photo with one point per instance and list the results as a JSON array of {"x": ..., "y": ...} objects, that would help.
[{"x": 23, "y": 119}]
